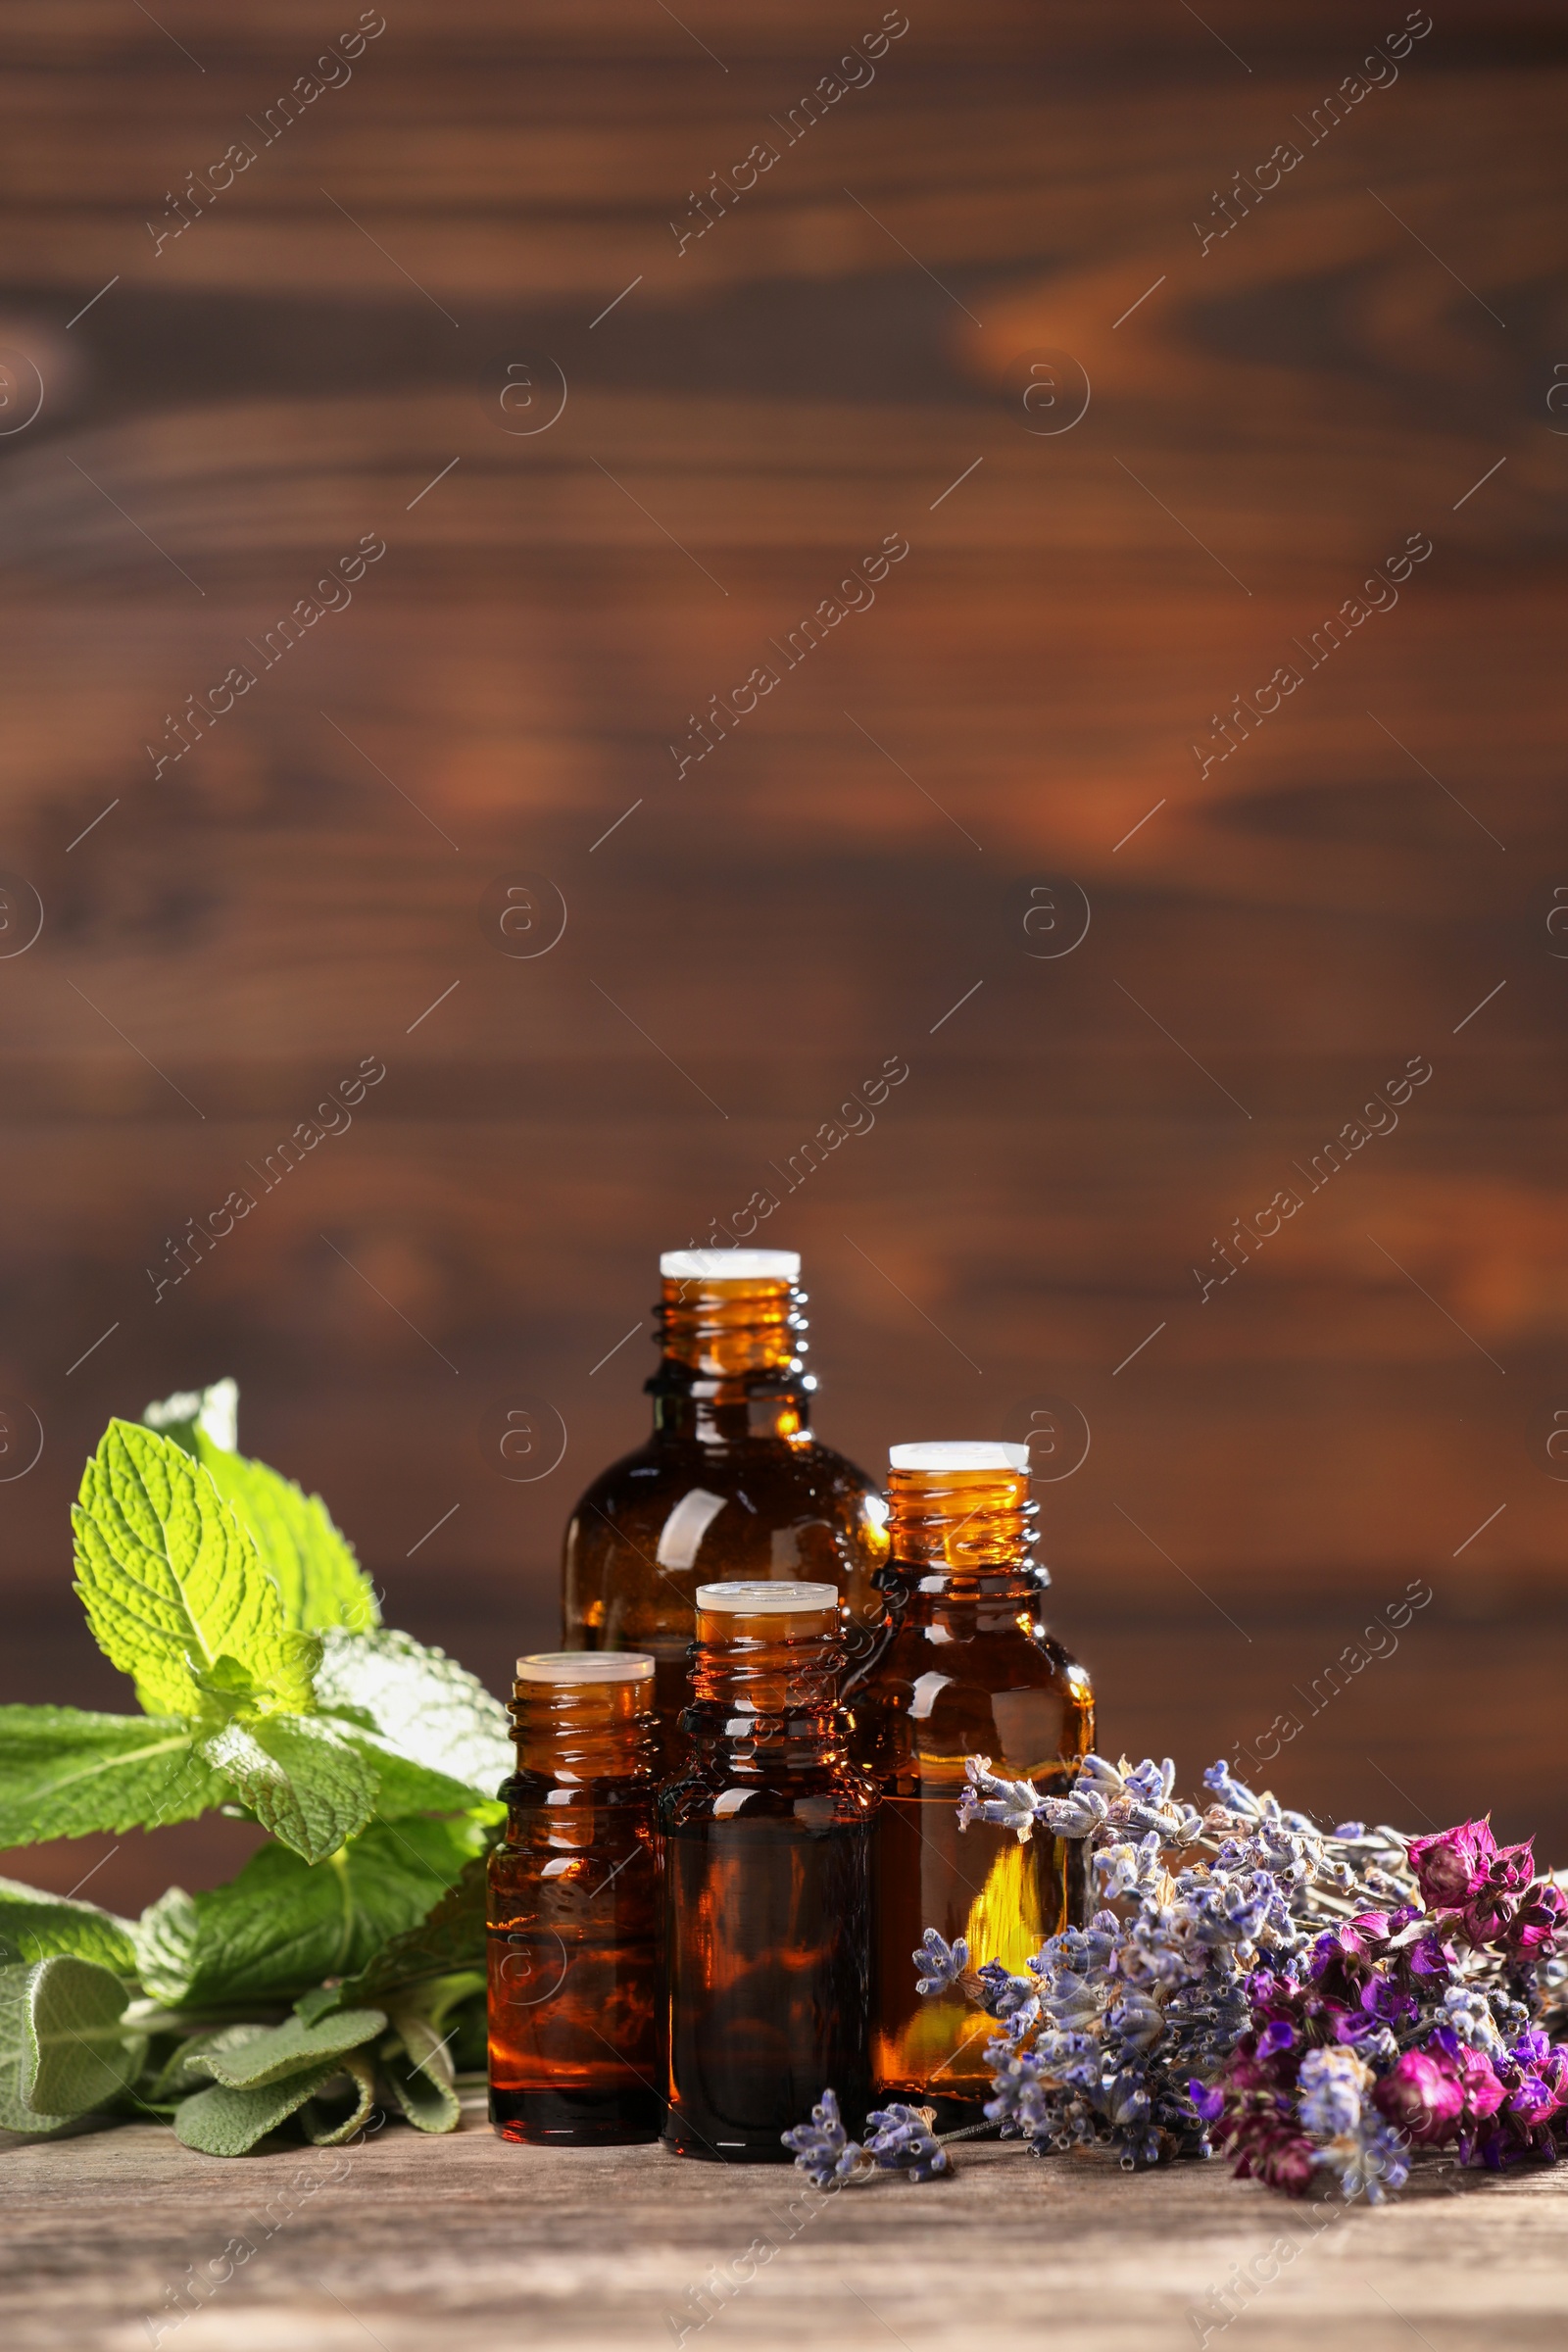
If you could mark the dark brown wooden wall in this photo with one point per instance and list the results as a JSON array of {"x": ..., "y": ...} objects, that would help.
[{"x": 325, "y": 354}]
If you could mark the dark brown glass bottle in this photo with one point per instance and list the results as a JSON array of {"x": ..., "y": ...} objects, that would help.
[
  {"x": 573, "y": 1909},
  {"x": 732, "y": 1483},
  {"x": 969, "y": 1671},
  {"x": 767, "y": 1880}
]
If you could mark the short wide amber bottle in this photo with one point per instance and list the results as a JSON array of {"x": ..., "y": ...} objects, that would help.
[
  {"x": 732, "y": 1481},
  {"x": 767, "y": 1879},
  {"x": 969, "y": 1671},
  {"x": 573, "y": 1910}
]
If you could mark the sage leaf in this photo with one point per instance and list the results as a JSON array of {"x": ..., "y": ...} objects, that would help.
[
  {"x": 77, "y": 2053},
  {"x": 64, "y": 1772},
  {"x": 228, "y": 2122},
  {"x": 415, "y": 2066},
  {"x": 267, "y": 2056},
  {"x": 180, "y": 2073},
  {"x": 317, "y": 2115},
  {"x": 16, "y": 2068},
  {"x": 173, "y": 1588},
  {"x": 34, "y": 1926}
]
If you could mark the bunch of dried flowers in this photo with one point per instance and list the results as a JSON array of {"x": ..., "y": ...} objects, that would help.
[{"x": 1307, "y": 2002}]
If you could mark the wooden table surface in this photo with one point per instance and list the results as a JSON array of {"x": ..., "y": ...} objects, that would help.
[{"x": 410, "y": 2243}]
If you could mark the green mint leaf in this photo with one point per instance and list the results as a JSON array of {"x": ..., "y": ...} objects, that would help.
[
  {"x": 319, "y": 1581},
  {"x": 230, "y": 2123},
  {"x": 16, "y": 2063},
  {"x": 324, "y": 2122},
  {"x": 449, "y": 1936},
  {"x": 64, "y": 1773},
  {"x": 410, "y": 1788},
  {"x": 173, "y": 1584},
  {"x": 419, "y": 1703},
  {"x": 309, "y": 1560},
  {"x": 283, "y": 1924},
  {"x": 164, "y": 1937},
  {"x": 34, "y": 1926},
  {"x": 213, "y": 1412},
  {"x": 77, "y": 2053},
  {"x": 299, "y": 1777},
  {"x": 268, "y": 2056}
]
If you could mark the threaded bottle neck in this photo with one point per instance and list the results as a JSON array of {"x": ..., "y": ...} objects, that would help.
[
  {"x": 962, "y": 1523},
  {"x": 580, "y": 1716},
  {"x": 769, "y": 1675},
  {"x": 727, "y": 1330}
]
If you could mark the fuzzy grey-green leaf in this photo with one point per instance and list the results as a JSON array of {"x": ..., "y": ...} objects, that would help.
[
  {"x": 318, "y": 2119},
  {"x": 228, "y": 2122},
  {"x": 80, "y": 2055},
  {"x": 16, "y": 2064},
  {"x": 418, "y": 2083},
  {"x": 268, "y": 2057}
]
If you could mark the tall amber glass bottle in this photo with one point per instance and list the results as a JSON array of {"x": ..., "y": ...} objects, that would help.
[
  {"x": 574, "y": 1910},
  {"x": 731, "y": 1483},
  {"x": 969, "y": 1671},
  {"x": 767, "y": 1879}
]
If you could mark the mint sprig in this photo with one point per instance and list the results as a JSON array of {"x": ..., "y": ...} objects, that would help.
[
  {"x": 269, "y": 1689},
  {"x": 174, "y": 1589}
]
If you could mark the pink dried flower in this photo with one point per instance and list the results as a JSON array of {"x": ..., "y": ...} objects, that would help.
[
  {"x": 1537, "y": 1921},
  {"x": 1451, "y": 1865},
  {"x": 1424, "y": 2096},
  {"x": 1484, "y": 2094}
]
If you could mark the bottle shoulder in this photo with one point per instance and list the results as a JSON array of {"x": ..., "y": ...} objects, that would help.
[
  {"x": 965, "y": 1653},
  {"x": 771, "y": 1483},
  {"x": 929, "y": 1703},
  {"x": 812, "y": 1797}
]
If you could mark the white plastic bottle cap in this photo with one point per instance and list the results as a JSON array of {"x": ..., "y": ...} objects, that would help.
[
  {"x": 730, "y": 1266},
  {"x": 959, "y": 1453},
  {"x": 585, "y": 1666},
  {"x": 767, "y": 1599}
]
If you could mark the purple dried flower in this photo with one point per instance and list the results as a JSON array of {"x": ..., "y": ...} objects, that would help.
[
  {"x": 824, "y": 2150},
  {"x": 942, "y": 1964},
  {"x": 903, "y": 2141}
]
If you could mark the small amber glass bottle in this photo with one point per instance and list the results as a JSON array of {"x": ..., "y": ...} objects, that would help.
[
  {"x": 573, "y": 1911},
  {"x": 969, "y": 1671},
  {"x": 767, "y": 1880},
  {"x": 732, "y": 1483}
]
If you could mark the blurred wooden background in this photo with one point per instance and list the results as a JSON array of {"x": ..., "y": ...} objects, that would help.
[{"x": 325, "y": 352}]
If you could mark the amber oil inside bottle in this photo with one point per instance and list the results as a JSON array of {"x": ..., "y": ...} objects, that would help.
[
  {"x": 767, "y": 1846},
  {"x": 971, "y": 1670},
  {"x": 573, "y": 1909},
  {"x": 732, "y": 1483}
]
